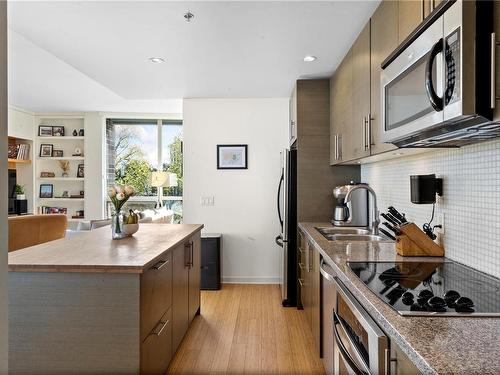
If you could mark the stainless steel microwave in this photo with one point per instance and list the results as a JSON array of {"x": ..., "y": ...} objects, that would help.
[{"x": 438, "y": 86}]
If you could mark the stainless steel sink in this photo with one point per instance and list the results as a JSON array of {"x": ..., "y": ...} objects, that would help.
[
  {"x": 359, "y": 237},
  {"x": 336, "y": 231},
  {"x": 349, "y": 234}
]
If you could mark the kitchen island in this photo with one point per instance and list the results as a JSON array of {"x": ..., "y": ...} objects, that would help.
[
  {"x": 435, "y": 345},
  {"x": 90, "y": 304}
]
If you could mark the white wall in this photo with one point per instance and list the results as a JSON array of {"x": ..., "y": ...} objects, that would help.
[
  {"x": 3, "y": 189},
  {"x": 245, "y": 200},
  {"x": 95, "y": 138},
  {"x": 470, "y": 202}
]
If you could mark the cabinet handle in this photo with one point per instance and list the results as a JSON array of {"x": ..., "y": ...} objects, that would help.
[
  {"x": 422, "y": 10},
  {"x": 160, "y": 264},
  {"x": 364, "y": 133},
  {"x": 187, "y": 255},
  {"x": 160, "y": 327},
  {"x": 493, "y": 70},
  {"x": 191, "y": 245},
  {"x": 367, "y": 132},
  {"x": 339, "y": 141}
]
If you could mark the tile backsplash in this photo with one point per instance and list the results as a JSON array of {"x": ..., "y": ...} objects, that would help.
[{"x": 470, "y": 201}]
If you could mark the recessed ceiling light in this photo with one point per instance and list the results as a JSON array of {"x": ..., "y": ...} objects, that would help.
[
  {"x": 310, "y": 58},
  {"x": 156, "y": 60}
]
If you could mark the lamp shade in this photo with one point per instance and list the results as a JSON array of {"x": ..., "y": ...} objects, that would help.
[
  {"x": 159, "y": 179},
  {"x": 167, "y": 179}
]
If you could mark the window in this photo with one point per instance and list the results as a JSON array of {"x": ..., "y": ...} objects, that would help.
[{"x": 135, "y": 148}]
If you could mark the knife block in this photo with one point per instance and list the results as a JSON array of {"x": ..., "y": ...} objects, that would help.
[{"x": 414, "y": 242}]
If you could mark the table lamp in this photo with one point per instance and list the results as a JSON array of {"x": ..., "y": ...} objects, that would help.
[{"x": 162, "y": 179}]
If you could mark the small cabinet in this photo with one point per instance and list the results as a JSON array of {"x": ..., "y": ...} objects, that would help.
[
  {"x": 180, "y": 293},
  {"x": 310, "y": 290},
  {"x": 341, "y": 116},
  {"x": 293, "y": 116},
  {"x": 384, "y": 39},
  {"x": 356, "y": 135},
  {"x": 186, "y": 268},
  {"x": 156, "y": 349},
  {"x": 156, "y": 293},
  {"x": 194, "y": 276},
  {"x": 410, "y": 14}
]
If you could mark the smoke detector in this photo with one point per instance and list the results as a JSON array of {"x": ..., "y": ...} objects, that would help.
[{"x": 188, "y": 16}]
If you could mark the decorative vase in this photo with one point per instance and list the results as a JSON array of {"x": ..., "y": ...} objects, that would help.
[
  {"x": 117, "y": 226},
  {"x": 21, "y": 196}
]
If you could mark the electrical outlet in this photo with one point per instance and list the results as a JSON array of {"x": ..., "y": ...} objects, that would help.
[{"x": 440, "y": 221}]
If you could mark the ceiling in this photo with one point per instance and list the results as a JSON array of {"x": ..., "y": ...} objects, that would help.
[{"x": 94, "y": 55}]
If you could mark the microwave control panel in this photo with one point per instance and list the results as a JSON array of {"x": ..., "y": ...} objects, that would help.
[{"x": 452, "y": 74}]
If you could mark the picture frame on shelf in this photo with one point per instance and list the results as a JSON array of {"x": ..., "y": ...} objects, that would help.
[
  {"x": 47, "y": 174},
  {"x": 44, "y": 131},
  {"x": 46, "y": 150},
  {"x": 232, "y": 156},
  {"x": 46, "y": 191},
  {"x": 57, "y": 153},
  {"x": 80, "y": 171},
  {"x": 58, "y": 131}
]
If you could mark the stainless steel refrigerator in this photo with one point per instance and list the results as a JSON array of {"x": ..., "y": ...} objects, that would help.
[{"x": 287, "y": 216}]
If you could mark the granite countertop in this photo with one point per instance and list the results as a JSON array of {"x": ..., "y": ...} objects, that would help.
[
  {"x": 95, "y": 251},
  {"x": 436, "y": 345}
]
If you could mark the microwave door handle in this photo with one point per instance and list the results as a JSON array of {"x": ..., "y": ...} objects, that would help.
[
  {"x": 436, "y": 101},
  {"x": 342, "y": 348}
]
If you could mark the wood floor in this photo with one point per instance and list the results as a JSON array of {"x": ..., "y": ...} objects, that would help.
[{"x": 243, "y": 329}]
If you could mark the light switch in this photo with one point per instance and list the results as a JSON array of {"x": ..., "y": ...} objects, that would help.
[{"x": 207, "y": 201}]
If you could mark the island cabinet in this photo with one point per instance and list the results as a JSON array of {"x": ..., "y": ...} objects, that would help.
[
  {"x": 88, "y": 304},
  {"x": 186, "y": 287}
]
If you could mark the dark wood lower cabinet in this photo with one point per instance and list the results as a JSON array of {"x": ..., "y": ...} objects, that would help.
[
  {"x": 156, "y": 349},
  {"x": 171, "y": 292},
  {"x": 180, "y": 294}
]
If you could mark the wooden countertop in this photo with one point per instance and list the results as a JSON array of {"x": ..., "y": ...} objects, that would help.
[{"x": 95, "y": 251}]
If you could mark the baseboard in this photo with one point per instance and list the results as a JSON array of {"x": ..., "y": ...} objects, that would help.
[{"x": 250, "y": 280}]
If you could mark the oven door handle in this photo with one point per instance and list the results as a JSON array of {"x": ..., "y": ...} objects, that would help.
[
  {"x": 436, "y": 101},
  {"x": 343, "y": 351}
]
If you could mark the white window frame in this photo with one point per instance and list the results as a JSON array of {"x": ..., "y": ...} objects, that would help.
[{"x": 159, "y": 124}]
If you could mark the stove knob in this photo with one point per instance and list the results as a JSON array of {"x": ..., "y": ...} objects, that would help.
[
  {"x": 436, "y": 302},
  {"x": 407, "y": 295},
  {"x": 451, "y": 295},
  {"x": 425, "y": 294},
  {"x": 464, "y": 302}
]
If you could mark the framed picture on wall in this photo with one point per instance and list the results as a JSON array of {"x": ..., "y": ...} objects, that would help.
[
  {"x": 46, "y": 151},
  {"x": 46, "y": 190},
  {"x": 232, "y": 156},
  {"x": 80, "y": 173},
  {"x": 45, "y": 131},
  {"x": 58, "y": 131}
]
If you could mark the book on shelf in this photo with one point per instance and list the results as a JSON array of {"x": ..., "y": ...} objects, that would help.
[
  {"x": 52, "y": 210},
  {"x": 19, "y": 151}
]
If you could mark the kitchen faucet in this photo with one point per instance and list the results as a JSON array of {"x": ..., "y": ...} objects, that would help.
[{"x": 376, "y": 221}]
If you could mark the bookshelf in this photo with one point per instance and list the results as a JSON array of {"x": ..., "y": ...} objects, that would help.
[{"x": 48, "y": 169}]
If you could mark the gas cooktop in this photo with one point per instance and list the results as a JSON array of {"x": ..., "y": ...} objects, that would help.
[{"x": 443, "y": 288}]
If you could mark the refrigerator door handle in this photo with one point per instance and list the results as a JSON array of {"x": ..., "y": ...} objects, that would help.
[
  {"x": 279, "y": 240},
  {"x": 278, "y": 203}
]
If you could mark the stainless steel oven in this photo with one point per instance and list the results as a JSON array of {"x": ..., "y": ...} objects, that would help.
[
  {"x": 360, "y": 346},
  {"x": 438, "y": 86}
]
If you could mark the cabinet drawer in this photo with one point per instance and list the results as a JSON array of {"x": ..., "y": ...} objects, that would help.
[
  {"x": 156, "y": 349},
  {"x": 156, "y": 293}
]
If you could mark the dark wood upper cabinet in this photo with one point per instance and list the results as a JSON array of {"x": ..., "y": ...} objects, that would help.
[{"x": 383, "y": 40}]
